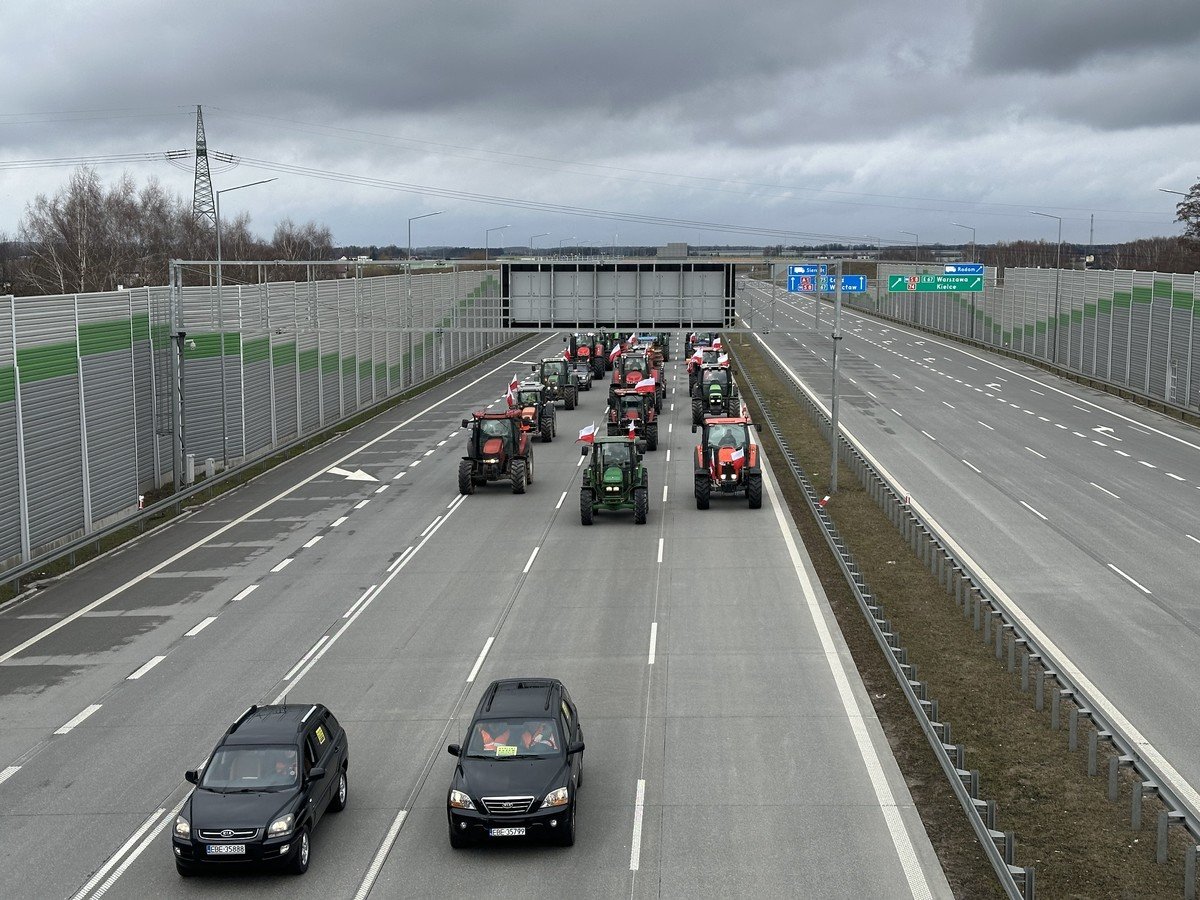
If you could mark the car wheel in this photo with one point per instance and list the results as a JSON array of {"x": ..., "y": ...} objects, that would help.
[
  {"x": 338, "y": 803},
  {"x": 300, "y": 856},
  {"x": 567, "y": 837},
  {"x": 458, "y": 841}
]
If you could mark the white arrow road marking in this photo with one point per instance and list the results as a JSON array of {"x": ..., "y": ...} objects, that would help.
[
  {"x": 356, "y": 475},
  {"x": 1107, "y": 432},
  {"x": 993, "y": 386}
]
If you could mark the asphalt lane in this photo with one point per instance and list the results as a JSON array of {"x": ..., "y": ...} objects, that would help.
[
  {"x": 1084, "y": 508},
  {"x": 762, "y": 767}
]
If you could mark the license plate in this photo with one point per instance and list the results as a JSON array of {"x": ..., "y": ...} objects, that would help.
[
  {"x": 506, "y": 832},
  {"x": 226, "y": 849}
]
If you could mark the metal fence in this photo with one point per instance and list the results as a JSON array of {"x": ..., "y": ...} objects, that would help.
[
  {"x": 1135, "y": 330},
  {"x": 85, "y": 405}
]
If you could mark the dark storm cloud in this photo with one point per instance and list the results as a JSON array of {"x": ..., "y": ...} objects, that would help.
[{"x": 1056, "y": 36}]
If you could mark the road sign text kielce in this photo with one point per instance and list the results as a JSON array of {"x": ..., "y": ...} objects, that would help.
[
  {"x": 932, "y": 284},
  {"x": 807, "y": 284}
]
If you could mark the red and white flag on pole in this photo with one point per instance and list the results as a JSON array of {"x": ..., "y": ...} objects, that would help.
[
  {"x": 510, "y": 396},
  {"x": 645, "y": 386},
  {"x": 567, "y": 354},
  {"x": 587, "y": 434},
  {"x": 737, "y": 454},
  {"x": 723, "y": 359},
  {"x": 717, "y": 343},
  {"x": 616, "y": 351},
  {"x": 632, "y": 429}
]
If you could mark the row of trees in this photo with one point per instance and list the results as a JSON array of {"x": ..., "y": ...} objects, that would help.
[{"x": 94, "y": 237}]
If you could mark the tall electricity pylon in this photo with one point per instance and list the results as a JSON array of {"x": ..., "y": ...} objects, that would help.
[{"x": 204, "y": 211}]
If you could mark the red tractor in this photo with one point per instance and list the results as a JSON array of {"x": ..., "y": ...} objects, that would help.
[
  {"x": 587, "y": 348},
  {"x": 727, "y": 462},
  {"x": 632, "y": 367},
  {"x": 498, "y": 447},
  {"x": 633, "y": 414}
]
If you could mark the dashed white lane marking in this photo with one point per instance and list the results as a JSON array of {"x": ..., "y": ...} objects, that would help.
[
  {"x": 283, "y": 564},
  {"x": 199, "y": 627},
  {"x": 398, "y": 476},
  {"x": 1039, "y": 393},
  {"x": 431, "y": 525},
  {"x": 529, "y": 562},
  {"x": 1059, "y": 425},
  {"x": 1100, "y": 443},
  {"x": 381, "y": 856},
  {"x": 1034, "y": 511},
  {"x": 664, "y": 493},
  {"x": 414, "y": 463},
  {"x": 1193, "y": 538},
  {"x": 1176, "y": 477},
  {"x": 1106, "y": 490},
  {"x": 653, "y": 642},
  {"x": 1121, "y": 453},
  {"x": 245, "y": 592},
  {"x": 146, "y": 667},
  {"x": 354, "y": 606},
  {"x": 669, "y": 427},
  {"x": 969, "y": 466},
  {"x": 63, "y": 729},
  {"x": 361, "y": 503},
  {"x": 928, "y": 435},
  {"x": 921, "y": 389},
  {"x": 1043, "y": 419},
  {"x": 1078, "y": 434},
  {"x": 311, "y": 542},
  {"x": 559, "y": 504},
  {"x": 441, "y": 443},
  {"x": 430, "y": 452},
  {"x": 1141, "y": 588},
  {"x": 944, "y": 403},
  {"x": 400, "y": 560},
  {"x": 487, "y": 645},
  {"x": 668, "y": 454},
  {"x": 1147, "y": 465},
  {"x": 660, "y": 549},
  {"x": 338, "y": 521},
  {"x": 8, "y": 773},
  {"x": 381, "y": 489},
  {"x": 1035, "y": 453},
  {"x": 897, "y": 412},
  {"x": 306, "y": 657},
  {"x": 639, "y": 806}
]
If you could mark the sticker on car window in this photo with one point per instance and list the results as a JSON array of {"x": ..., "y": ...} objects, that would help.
[
  {"x": 320, "y": 734},
  {"x": 505, "y": 750}
]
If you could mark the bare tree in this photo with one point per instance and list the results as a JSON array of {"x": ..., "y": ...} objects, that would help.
[{"x": 1188, "y": 212}]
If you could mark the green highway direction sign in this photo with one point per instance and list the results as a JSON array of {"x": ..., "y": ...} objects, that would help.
[{"x": 929, "y": 284}]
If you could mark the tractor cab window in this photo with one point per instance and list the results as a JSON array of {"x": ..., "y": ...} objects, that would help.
[
  {"x": 615, "y": 454},
  {"x": 628, "y": 403},
  {"x": 718, "y": 377},
  {"x": 727, "y": 436},
  {"x": 527, "y": 398}
]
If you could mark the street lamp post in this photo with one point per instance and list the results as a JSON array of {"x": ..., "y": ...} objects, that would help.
[
  {"x": 1057, "y": 279},
  {"x": 916, "y": 266},
  {"x": 413, "y": 219},
  {"x": 486, "y": 235},
  {"x": 408, "y": 306},
  {"x": 532, "y": 236},
  {"x": 221, "y": 315},
  {"x": 972, "y": 230},
  {"x": 563, "y": 241}
]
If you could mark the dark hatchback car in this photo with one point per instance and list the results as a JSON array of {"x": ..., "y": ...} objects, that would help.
[
  {"x": 265, "y": 786},
  {"x": 520, "y": 765}
]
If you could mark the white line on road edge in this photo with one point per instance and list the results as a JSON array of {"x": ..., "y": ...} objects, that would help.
[
  {"x": 1144, "y": 590},
  {"x": 146, "y": 841},
  {"x": 244, "y": 593},
  {"x": 529, "y": 562},
  {"x": 635, "y": 852},
  {"x": 1034, "y": 511},
  {"x": 146, "y": 667},
  {"x": 305, "y": 658},
  {"x": 660, "y": 549},
  {"x": 311, "y": 541},
  {"x": 1106, "y": 490},
  {"x": 338, "y": 521},
  {"x": 115, "y": 858},
  {"x": 487, "y": 645},
  {"x": 279, "y": 567},
  {"x": 653, "y": 642},
  {"x": 354, "y": 605},
  {"x": 400, "y": 560},
  {"x": 381, "y": 856},
  {"x": 8, "y": 773},
  {"x": 559, "y": 504},
  {"x": 431, "y": 525},
  {"x": 200, "y": 627},
  {"x": 79, "y": 718},
  {"x": 969, "y": 466}
]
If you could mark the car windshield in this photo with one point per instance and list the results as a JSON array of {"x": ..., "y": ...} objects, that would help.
[
  {"x": 251, "y": 768},
  {"x": 514, "y": 738}
]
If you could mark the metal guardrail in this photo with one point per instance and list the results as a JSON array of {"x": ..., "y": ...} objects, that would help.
[
  {"x": 1010, "y": 631},
  {"x": 1018, "y": 882},
  {"x": 17, "y": 574}
]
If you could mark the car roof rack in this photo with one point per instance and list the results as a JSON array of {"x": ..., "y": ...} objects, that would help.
[{"x": 242, "y": 718}]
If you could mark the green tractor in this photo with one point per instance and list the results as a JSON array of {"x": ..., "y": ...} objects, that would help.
[
  {"x": 562, "y": 384},
  {"x": 614, "y": 479},
  {"x": 715, "y": 393}
]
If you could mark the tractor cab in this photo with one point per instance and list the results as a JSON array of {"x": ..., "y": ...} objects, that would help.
[
  {"x": 630, "y": 368},
  {"x": 493, "y": 438},
  {"x": 560, "y": 381},
  {"x": 614, "y": 479}
]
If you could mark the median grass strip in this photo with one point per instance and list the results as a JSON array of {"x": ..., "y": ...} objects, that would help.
[{"x": 1079, "y": 844}]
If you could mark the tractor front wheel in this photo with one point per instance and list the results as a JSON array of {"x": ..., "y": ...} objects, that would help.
[
  {"x": 571, "y": 397},
  {"x": 703, "y": 488},
  {"x": 466, "y": 480},
  {"x": 518, "y": 475},
  {"x": 652, "y": 436},
  {"x": 754, "y": 489},
  {"x": 641, "y": 505},
  {"x": 697, "y": 411},
  {"x": 546, "y": 426},
  {"x": 585, "y": 505}
]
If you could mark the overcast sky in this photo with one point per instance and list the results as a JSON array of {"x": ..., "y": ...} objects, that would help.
[{"x": 825, "y": 119}]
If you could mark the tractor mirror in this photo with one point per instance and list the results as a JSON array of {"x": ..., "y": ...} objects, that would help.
[
  {"x": 466, "y": 422},
  {"x": 641, "y": 445},
  {"x": 533, "y": 368},
  {"x": 583, "y": 451}
]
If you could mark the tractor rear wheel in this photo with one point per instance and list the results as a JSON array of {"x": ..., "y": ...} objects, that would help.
[
  {"x": 652, "y": 436},
  {"x": 597, "y": 368},
  {"x": 546, "y": 425},
  {"x": 571, "y": 397},
  {"x": 518, "y": 475},
  {"x": 585, "y": 505},
  {"x": 658, "y": 401},
  {"x": 697, "y": 411},
  {"x": 703, "y": 488},
  {"x": 754, "y": 489},
  {"x": 641, "y": 505},
  {"x": 466, "y": 480}
]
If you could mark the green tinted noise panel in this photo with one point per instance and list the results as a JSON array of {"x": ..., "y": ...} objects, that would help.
[
  {"x": 329, "y": 363},
  {"x": 104, "y": 337},
  {"x": 283, "y": 355},
  {"x": 233, "y": 343},
  {"x": 141, "y": 327},
  {"x": 47, "y": 361},
  {"x": 257, "y": 350},
  {"x": 208, "y": 345},
  {"x": 308, "y": 359}
]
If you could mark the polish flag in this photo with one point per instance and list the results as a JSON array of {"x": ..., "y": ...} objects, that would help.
[
  {"x": 632, "y": 429},
  {"x": 717, "y": 343},
  {"x": 645, "y": 386},
  {"x": 616, "y": 351},
  {"x": 723, "y": 359},
  {"x": 567, "y": 355},
  {"x": 588, "y": 434},
  {"x": 510, "y": 396},
  {"x": 737, "y": 454}
]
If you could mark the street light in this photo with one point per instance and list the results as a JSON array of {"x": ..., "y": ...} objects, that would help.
[
  {"x": 486, "y": 233},
  {"x": 563, "y": 241},
  {"x": 413, "y": 219},
  {"x": 1057, "y": 279},
  {"x": 532, "y": 236},
  {"x": 972, "y": 229},
  {"x": 221, "y": 321},
  {"x": 916, "y": 245}
]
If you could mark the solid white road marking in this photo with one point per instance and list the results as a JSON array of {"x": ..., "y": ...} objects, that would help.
[
  {"x": 529, "y": 562},
  {"x": 311, "y": 542},
  {"x": 1034, "y": 511},
  {"x": 653, "y": 642},
  {"x": 8, "y": 773},
  {"x": 1144, "y": 590},
  {"x": 487, "y": 645},
  {"x": 132, "y": 857},
  {"x": 204, "y": 623},
  {"x": 116, "y": 857},
  {"x": 306, "y": 657},
  {"x": 280, "y": 566},
  {"x": 354, "y": 606},
  {"x": 1106, "y": 490},
  {"x": 338, "y": 521},
  {"x": 146, "y": 667},
  {"x": 79, "y": 718},
  {"x": 381, "y": 856},
  {"x": 635, "y": 852},
  {"x": 969, "y": 466},
  {"x": 245, "y": 592},
  {"x": 1035, "y": 453},
  {"x": 400, "y": 560}
]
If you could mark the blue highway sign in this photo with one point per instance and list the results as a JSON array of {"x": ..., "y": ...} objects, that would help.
[
  {"x": 807, "y": 284},
  {"x": 810, "y": 269},
  {"x": 964, "y": 268}
]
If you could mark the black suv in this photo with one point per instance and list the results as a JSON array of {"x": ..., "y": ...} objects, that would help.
[
  {"x": 263, "y": 789},
  {"x": 520, "y": 765}
]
